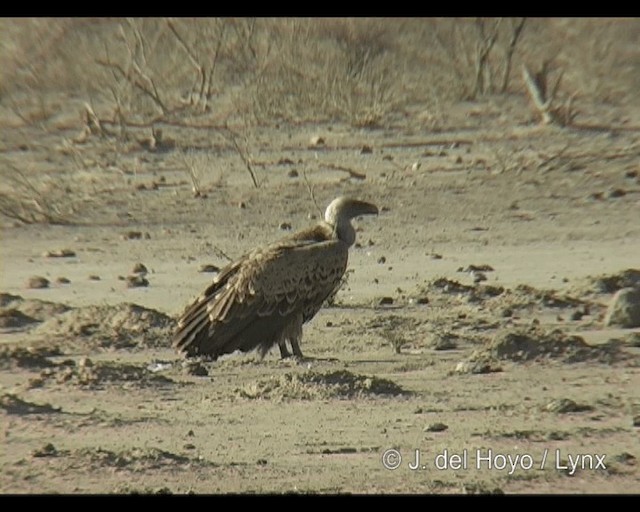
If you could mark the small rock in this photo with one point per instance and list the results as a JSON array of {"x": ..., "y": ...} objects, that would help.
[
  {"x": 382, "y": 260},
  {"x": 565, "y": 405},
  {"x": 189, "y": 446},
  {"x": 436, "y": 427},
  {"x": 59, "y": 253},
  {"x": 624, "y": 310},
  {"x": 48, "y": 450},
  {"x": 242, "y": 205},
  {"x": 385, "y": 301},
  {"x": 285, "y": 226},
  {"x": 62, "y": 280},
  {"x": 506, "y": 313},
  {"x": 94, "y": 277},
  {"x": 207, "y": 267},
  {"x": 136, "y": 281},
  {"x": 316, "y": 140},
  {"x": 576, "y": 315},
  {"x": 85, "y": 362},
  {"x": 625, "y": 458},
  {"x": 422, "y": 300},
  {"x": 443, "y": 342},
  {"x": 476, "y": 367},
  {"x": 435, "y": 256},
  {"x": 293, "y": 173},
  {"x": 366, "y": 150},
  {"x": 478, "y": 277},
  {"x": 190, "y": 433},
  {"x": 132, "y": 235},
  {"x": 261, "y": 462},
  {"x": 616, "y": 192},
  {"x": 636, "y": 420},
  {"x": 139, "y": 268},
  {"x": 36, "y": 282},
  {"x": 197, "y": 369}
]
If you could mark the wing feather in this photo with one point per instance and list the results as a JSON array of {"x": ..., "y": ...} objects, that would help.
[{"x": 253, "y": 299}]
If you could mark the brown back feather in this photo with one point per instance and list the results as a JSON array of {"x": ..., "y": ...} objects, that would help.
[{"x": 252, "y": 300}]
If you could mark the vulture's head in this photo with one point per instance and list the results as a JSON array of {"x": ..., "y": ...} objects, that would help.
[{"x": 340, "y": 212}]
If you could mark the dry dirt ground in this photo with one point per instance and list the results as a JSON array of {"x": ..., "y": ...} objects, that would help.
[{"x": 512, "y": 384}]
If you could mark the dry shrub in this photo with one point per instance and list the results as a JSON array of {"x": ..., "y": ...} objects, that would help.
[
  {"x": 328, "y": 69},
  {"x": 31, "y": 200},
  {"x": 359, "y": 70}
]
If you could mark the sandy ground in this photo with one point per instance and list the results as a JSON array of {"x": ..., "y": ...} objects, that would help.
[{"x": 512, "y": 384}]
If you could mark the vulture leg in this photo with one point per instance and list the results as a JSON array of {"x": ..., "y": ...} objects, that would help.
[
  {"x": 296, "y": 348},
  {"x": 294, "y": 334},
  {"x": 284, "y": 351}
]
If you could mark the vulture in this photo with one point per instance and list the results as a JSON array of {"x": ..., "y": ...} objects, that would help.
[{"x": 265, "y": 297}]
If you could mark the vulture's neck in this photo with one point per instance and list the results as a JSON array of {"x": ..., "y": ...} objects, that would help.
[
  {"x": 345, "y": 232},
  {"x": 341, "y": 228}
]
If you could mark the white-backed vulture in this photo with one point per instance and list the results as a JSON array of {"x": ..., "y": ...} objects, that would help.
[{"x": 266, "y": 296}]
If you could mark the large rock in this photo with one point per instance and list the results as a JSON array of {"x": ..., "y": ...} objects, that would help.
[{"x": 624, "y": 310}]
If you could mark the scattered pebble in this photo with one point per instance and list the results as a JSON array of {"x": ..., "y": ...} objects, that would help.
[
  {"x": 94, "y": 277},
  {"x": 316, "y": 140},
  {"x": 576, "y": 315},
  {"x": 136, "y": 281},
  {"x": 476, "y": 367},
  {"x": 36, "y": 282},
  {"x": 59, "y": 253},
  {"x": 366, "y": 150},
  {"x": 132, "y": 235},
  {"x": 139, "y": 268},
  {"x": 385, "y": 301},
  {"x": 436, "y": 427},
  {"x": 62, "y": 280},
  {"x": 208, "y": 267},
  {"x": 48, "y": 450},
  {"x": 196, "y": 369},
  {"x": 616, "y": 192},
  {"x": 293, "y": 173},
  {"x": 565, "y": 405},
  {"x": 285, "y": 226},
  {"x": 382, "y": 260}
]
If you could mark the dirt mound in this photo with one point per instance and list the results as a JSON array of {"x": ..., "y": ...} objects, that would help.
[
  {"x": 473, "y": 293},
  {"x": 609, "y": 283},
  {"x": 13, "y": 404},
  {"x": 34, "y": 310},
  {"x": 122, "y": 326},
  {"x": 134, "y": 459},
  {"x": 27, "y": 357},
  {"x": 90, "y": 375},
  {"x": 524, "y": 296},
  {"x": 540, "y": 345},
  {"x": 315, "y": 385},
  {"x": 521, "y": 296},
  {"x": 15, "y": 319}
]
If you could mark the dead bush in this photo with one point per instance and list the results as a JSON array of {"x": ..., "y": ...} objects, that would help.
[{"x": 28, "y": 200}]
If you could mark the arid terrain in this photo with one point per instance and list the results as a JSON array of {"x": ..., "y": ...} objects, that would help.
[{"x": 470, "y": 329}]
